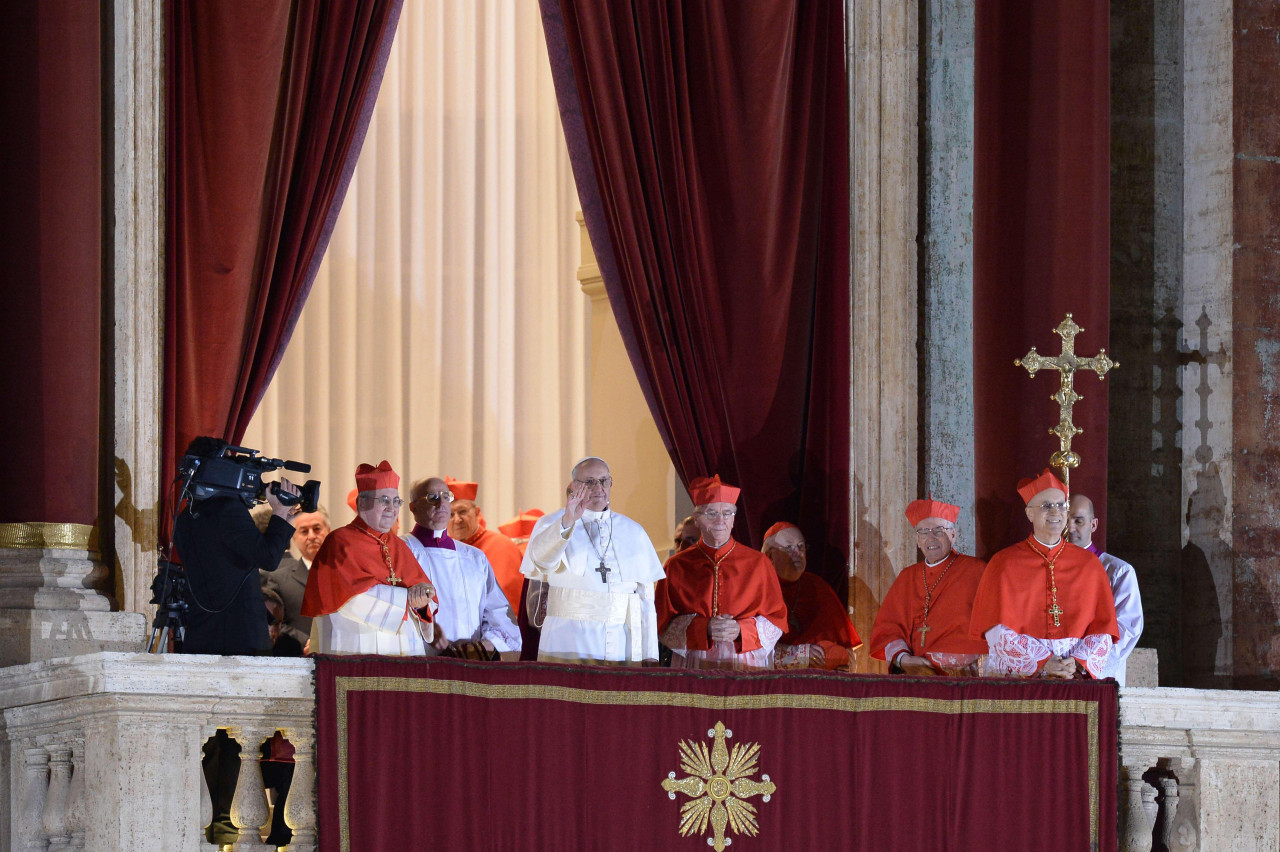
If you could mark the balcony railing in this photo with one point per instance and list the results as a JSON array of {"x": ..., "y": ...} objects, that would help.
[{"x": 103, "y": 751}]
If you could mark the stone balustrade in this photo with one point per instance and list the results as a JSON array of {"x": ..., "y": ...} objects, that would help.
[
  {"x": 1199, "y": 770},
  {"x": 103, "y": 751}
]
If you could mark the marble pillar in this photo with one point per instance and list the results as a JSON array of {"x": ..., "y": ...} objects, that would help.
[
  {"x": 946, "y": 261},
  {"x": 55, "y": 585},
  {"x": 883, "y": 62}
]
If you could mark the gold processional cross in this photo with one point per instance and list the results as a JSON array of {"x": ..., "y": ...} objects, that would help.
[{"x": 1066, "y": 363}]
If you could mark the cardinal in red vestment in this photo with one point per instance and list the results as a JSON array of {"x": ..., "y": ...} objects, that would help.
[
  {"x": 922, "y": 627},
  {"x": 1045, "y": 605},
  {"x": 819, "y": 632},
  {"x": 366, "y": 592},
  {"x": 467, "y": 525},
  {"x": 720, "y": 605}
]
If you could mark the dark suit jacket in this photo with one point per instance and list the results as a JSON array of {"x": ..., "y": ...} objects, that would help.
[
  {"x": 289, "y": 580},
  {"x": 222, "y": 552}
]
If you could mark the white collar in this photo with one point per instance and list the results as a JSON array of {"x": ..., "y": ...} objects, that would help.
[
  {"x": 940, "y": 561},
  {"x": 592, "y": 515}
]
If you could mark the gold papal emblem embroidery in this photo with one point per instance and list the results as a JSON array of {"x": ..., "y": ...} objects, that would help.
[{"x": 719, "y": 783}]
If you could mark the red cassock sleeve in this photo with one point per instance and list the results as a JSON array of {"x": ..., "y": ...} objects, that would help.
[
  {"x": 351, "y": 562},
  {"x": 1015, "y": 592},
  {"x": 746, "y": 587}
]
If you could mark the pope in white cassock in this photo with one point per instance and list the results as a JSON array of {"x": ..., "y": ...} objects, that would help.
[
  {"x": 1081, "y": 525},
  {"x": 472, "y": 605},
  {"x": 597, "y": 569}
]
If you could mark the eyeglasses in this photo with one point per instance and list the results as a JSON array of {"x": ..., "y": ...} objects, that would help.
[
  {"x": 603, "y": 482},
  {"x": 928, "y": 532},
  {"x": 436, "y": 497},
  {"x": 727, "y": 514},
  {"x": 798, "y": 547},
  {"x": 1052, "y": 507},
  {"x": 386, "y": 502}
]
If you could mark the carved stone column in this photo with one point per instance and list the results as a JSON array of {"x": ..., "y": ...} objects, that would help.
[
  {"x": 883, "y": 62},
  {"x": 299, "y": 806},
  {"x": 1137, "y": 810},
  {"x": 137, "y": 293},
  {"x": 54, "y": 818},
  {"x": 29, "y": 834},
  {"x": 249, "y": 810},
  {"x": 76, "y": 796}
]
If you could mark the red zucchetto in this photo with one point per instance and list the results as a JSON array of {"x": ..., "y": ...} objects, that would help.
[
  {"x": 918, "y": 510},
  {"x": 1029, "y": 488},
  {"x": 706, "y": 490},
  {"x": 777, "y": 528},
  {"x": 370, "y": 478}
]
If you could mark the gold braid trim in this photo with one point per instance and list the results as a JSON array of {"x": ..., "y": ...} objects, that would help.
[{"x": 34, "y": 535}]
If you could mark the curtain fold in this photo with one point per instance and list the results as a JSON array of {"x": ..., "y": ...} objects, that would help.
[
  {"x": 1041, "y": 245},
  {"x": 445, "y": 330},
  {"x": 710, "y": 145},
  {"x": 266, "y": 110}
]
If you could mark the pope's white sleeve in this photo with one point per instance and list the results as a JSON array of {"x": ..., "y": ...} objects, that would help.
[
  {"x": 382, "y": 607},
  {"x": 648, "y": 623},
  {"x": 547, "y": 546}
]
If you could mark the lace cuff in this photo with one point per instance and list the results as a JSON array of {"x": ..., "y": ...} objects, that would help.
[
  {"x": 674, "y": 636},
  {"x": 1092, "y": 651},
  {"x": 1015, "y": 653}
]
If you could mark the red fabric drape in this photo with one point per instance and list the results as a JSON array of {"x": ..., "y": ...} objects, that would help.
[
  {"x": 267, "y": 107},
  {"x": 1041, "y": 243},
  {"x": 710, "y": 146},
  {"x": 857, "y": 763}
]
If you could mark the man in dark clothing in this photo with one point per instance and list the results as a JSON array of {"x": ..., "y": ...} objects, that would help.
[{"x": 222, "y": 551}]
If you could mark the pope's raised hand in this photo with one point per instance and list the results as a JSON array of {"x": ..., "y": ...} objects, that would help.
[{"x": 575, "y": 505}]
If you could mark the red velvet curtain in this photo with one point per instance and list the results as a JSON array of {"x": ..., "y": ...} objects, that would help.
[
  {"x": 710, "y": 146},
  {"x": 1041, "y": 243},
  {"x": 267, "y": 107},
  {"x": 560, "y": 757}
]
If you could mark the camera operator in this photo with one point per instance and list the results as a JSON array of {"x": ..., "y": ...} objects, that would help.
[{"x": 222, "y": 551}]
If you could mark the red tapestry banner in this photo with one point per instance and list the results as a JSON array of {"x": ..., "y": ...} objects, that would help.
[{"x": 460, "y": 755}]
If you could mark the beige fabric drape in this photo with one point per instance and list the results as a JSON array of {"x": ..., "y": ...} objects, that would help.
[{"x": 445, "y": 331}]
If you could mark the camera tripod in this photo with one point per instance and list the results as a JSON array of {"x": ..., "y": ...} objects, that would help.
[{"x": 169, "y": 593}]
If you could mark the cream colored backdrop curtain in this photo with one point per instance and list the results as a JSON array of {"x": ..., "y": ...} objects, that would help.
[{"x": 446, "y": 331}]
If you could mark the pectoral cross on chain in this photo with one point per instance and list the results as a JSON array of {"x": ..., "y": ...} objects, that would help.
[
  {"x": 1056, "y": 612},
  {"x": 924, "y": 628},
  {"x": 603, "y": 571}
]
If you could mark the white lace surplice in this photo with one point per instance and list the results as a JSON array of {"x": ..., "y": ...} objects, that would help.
[{"x": 1018, "y": 654}]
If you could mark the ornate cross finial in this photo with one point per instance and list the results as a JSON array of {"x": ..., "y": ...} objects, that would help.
[{"x": 1066, "y": 363}]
